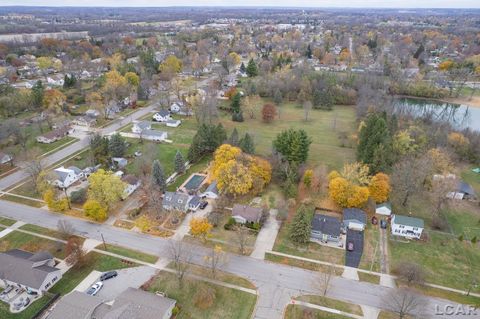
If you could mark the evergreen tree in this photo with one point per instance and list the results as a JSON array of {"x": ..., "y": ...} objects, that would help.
[
  {"x": 277, "y": 97},
  {"x": 300, "y": 227},
  {"x": 99, "y": 149},
  {"x": 309, "y": 54},
  {"x": 243, "y": 69},
  {"x": 237, "y": 116},
  {"x": 69, "y": 81},
  {"x": 117, "y": 146},
  {"x": 235, "y": 104},
  {"x": 179, "y": 163},
  {"x": 158, "y": 177},
  {"x": 207, "y": 139},
  {"x": 246, "y": 144},
  {"x": 233, "y": 140},
  {"x": 37, "y": 94},
  {"x": 252, "y": 69},
  {"x": 293, "y": 145}
]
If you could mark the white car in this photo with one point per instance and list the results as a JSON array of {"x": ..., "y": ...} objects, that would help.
[{"x": 95, "y": 288}]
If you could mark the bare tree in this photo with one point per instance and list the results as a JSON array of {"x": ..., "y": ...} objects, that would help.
[
  {"x": 215, "y": 259},
  {"x": 181, "y": 255},
  {"x": 33, "y": 165},
  {"x": 242, "y": 238},
  {"x": 405, "y": 302},
  {"x": 325, "y": 279},
  {"x": 65, "y": 228},
  {"x": 307, "y": 107},
  {"x": 410, "y": 272},
  {"x": 76, "y": 255}
]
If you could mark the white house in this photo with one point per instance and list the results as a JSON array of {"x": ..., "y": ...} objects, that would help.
[
  {"x": 139, "y": 127},
  {"x": 384, "y": 209},
  {"x": 5, "y": 158},
  {"x": 153, "y": 135},
  {"x": 132, "y": 183},
  {"x": 67, "y": 176},
  {"x": 408, "y": 227},
  {"x": 55, "y": 135},
  {"x": 173, "y": 123},
  {"x": 179, "y": 108},
  {"x": 162, "y": 116},
  {"x": 354, "y": 218},
  {"x": 211, "y": 191}
]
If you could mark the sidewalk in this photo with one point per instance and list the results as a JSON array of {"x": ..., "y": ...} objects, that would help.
[{"x": 326, "y": 309}]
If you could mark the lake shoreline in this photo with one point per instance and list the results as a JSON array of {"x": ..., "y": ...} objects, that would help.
[{"x": 474, "y": 102}]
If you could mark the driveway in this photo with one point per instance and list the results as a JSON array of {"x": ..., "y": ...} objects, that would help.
[
  {"x": 352, "y": 258},
  {"x": 267, "y": 235}
]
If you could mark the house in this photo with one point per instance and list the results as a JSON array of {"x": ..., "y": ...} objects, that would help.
[
  {"x": 55, "y": 135},
  {"x": 5, "y": 158},
  {"x": 139, "y": 127},
  {"x": 175, "y": 201},
  {"x": 408, "y": 227},
  {"x": 243, "y": 214},
  {"x": 87, "y": 121},
  {"x": 154, "y": 135},
  {"x": 325, "y": 228},
  {"x": 179, "y": 108},
  {"x": 92, "y": 113},
  {"x": 463, "y": 191},
  {"x": 67, "y": 176},
  {"x": 119, "y": 162},
  {"x": 33, "y": 272},
  {"x": 162, "y": 116},
  {"x": 132, "y": 184},
  {"x": 354, "y": 218},
  {"x": 384, "y": 209},
  {"x": 131, "y": 303},
  {"x": 211, "y": 191},
  {"x": 194, "y": 203},
  {"x": 173, "y": 123}
]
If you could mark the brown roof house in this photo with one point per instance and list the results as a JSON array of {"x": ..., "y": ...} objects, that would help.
[
  {"x": 243, "y": 214},
  {"x": 55, "y": 135}
]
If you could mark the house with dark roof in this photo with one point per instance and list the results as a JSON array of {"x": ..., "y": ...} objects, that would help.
[
  {"x": 194, "y": 203},
  {"x": 33, "y": 272},
  {"x": 130, "y": 304},
  {"x": 463, "y": 191},
  {"x": 325, "y": 228},
  {"x": 139, "y": 127},
  {"x": 211, "y": 191},
  {"x": 243, "y": 214},
  {"x": 406, "y": 226},
  {"x": 354, "y": 218},
  {"x": 162, "y": 116},
  {"x": 55, "y": 135},
  {"x": 175, "y": 201}
]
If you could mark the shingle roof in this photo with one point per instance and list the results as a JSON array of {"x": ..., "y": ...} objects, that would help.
[
  {"x": 194, "y": 201},
  {"x": 75, "y": 305},
  {"x": 153, "y": 133},
  {"x": 178, "y": 201},
  {"x": 212, "y": 188},
  {"x": 464, "y": 187},
  {"x": 354, "y": 214},
  {"x": 408, "y": 221},
  {"x": 251, "y": 214},
  {"x": 326, "y": 225},
  {"x": 163, "y": 113}
]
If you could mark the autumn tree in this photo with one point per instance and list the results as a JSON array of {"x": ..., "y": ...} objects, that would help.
[
  {"x": 76, "y": 255},
  {"x": 215, "y": 259},
  {"x": 269, "y": 111},
  {"x": 300, "y": 228},
  {"x": 94, "y": 210},
  {"x": 105, "y": 188},
  {"x": 200, "y": 227},
  {"x": 347, "y": 194},
  {"x": 171, "y": 65},
  {"x": 251, "y": 104},
  {"x": 54, "y": 100},
  {"x": 379, "y": 187},
  {"x": 54, "y": 203},
  {"x": 113, "y": 89}
]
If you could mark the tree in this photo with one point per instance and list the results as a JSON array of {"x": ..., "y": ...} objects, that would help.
[
  {"x": 133, "y": 79},
  {"x": 269, "y": 111},
  {"x": 404, "y": 302},
  {"x": 179, "y": 163},
  {"x": 117, "y": 145},
  {"x": 300, "y": 228},
  {"x": 326, "y": 278},
  {"x": 54, "y": 100},
  {"x": 69, "y": 81},
  {"x": 237, "y": 115},
  {"x": 246, "y": 144},
  {"x": 308, "y": 53},
  {"x": 241, "y": 233},
  {"x": 54, "y": 204},
  {"x": 379, "y": 187},
  {"x": 65, "y": 228},
  {"x": 252, "y": 69},
  {"x": 251, "y": 104},
  {"x": 37, "y": 94},
  {"x": 99, "y": 149},
  {"x": 94, "y": 210},
  {"x": 75, "y": 253},
  {"x": 215, "y": 259},
  {"x": 346, "y": 194},
  {"x": 243, "y": 69},
  {"x": 105, "y": 188},
  {"x": 200, "y": 227},
  {"x": 307, "y": 178},
  {"x": 293, "y": 145},
  {"x": 171, "y": 65},
  {"x": 181, "y": 255},
  {"x": 410, "y": 272},
  {"x": 34, "y": 166},
  {"x": 158, "y": 176},
  {"x": 207, "y": 139},
  {"x": 307, "y": 107}
]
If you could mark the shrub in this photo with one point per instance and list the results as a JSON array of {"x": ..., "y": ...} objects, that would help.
[
  {"x": 79, "y": 197},
  {"x": 230, "y": 224}
]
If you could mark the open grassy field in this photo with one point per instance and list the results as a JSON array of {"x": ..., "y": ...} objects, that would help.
[
  {"x": 227, "y": 303},
  {"x": 32, "y": 244},
  {"x": 76, "y": 274},
  {"x": 129, "y": 253},
  {"x": 301, "y": 312},
  {"x": 332, "y": 303},
  {"x": 446, "y": 260},
  {"x": 323, "y": 127}
]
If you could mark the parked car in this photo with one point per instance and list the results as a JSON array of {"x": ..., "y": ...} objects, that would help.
[
  {"x": 26, "y": 302},
  {"x": 7, "y": 290},
  {"x": 92, "y": 291},
  {"x": 203, "y": 205},
  {"x": 137, "y": 154},
  {"x": 108, "y": 275},
  {"x": 383, "y": 224},
  {"x": 350, "y": 246}
]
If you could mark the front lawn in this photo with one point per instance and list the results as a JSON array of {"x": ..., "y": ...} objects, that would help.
[
  {"x": 301, "y": 312},
  {"x": 129, "y": 253},
  {"x": 33, "y": 244},
  {"x": 332, "y": 303},
  {"x": 7, "y": 221},
  {"x": 225, "y": 303},
  {"x": 47, "y": 232}
]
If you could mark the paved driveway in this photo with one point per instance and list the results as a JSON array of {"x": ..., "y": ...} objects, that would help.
[
  {"x": 352, "y": 258},
  {"x": 267, "y": 235}
]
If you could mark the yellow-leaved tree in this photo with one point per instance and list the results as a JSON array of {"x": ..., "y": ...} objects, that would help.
[
  {"x": 54, "y": 204},
  {"x": 380, "y": 187},
  {"x": 94, "y": 210},
  {"x": 105, "y": 187},
  {"x": 200, "y": 227}
]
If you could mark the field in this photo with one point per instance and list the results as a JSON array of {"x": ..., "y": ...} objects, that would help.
[
  {"x": 323, "y": 127},
  {"x": 227, "y": 303}
]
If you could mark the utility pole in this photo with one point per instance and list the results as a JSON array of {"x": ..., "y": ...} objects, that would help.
[{"x": 104, "y": 244}]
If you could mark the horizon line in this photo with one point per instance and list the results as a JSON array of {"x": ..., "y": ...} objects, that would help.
[{"x": 238, "y": 6}]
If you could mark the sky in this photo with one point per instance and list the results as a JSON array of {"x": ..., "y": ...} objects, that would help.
[{"x": 263, "y": 3}]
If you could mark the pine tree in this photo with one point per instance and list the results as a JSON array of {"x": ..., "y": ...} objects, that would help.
[
  {"x": 37, "y": 94},
  {"x": 246, "y": 144},
  {"x": 293, "y": 145},
  {"x": 158, "y": 177},
  {"x": 235, "y": 104},
  {"x": 277, "y": 97},
  {"x": 300, "y": 227},
  {"x": 117, "y": 146},
  {"x": 207, "y": 139},
  {"x": 237, "y": 116},
  {"x": 243, "y": 69},
  {"x": 179, "y": 163},
  {"x": 252, "y": 69},
  {"x": 309, "y": 52},
  {"x": 233, "y": 140}
]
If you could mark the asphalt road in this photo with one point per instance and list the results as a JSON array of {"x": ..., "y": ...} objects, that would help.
[{"x": 276, "y": 283}]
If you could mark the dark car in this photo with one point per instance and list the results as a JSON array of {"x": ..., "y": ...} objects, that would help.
[
  {"x": 350, "y": 246},
  {"x": 203, "y": 205},
  {"x": 108, "y": 275},
  {"x": 383, "y": 224},
  {"x": 26, "y": 302}
]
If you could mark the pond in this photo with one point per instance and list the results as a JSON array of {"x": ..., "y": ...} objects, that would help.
[{"x": 459, "y": 115}]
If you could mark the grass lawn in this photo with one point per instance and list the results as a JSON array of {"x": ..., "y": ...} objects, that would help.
[
  {"x": 312, "y": 250},
  {"x": 64, "y": 142},
  {"x": 33, "y": 244},
  {"x": 445, "y": 259},
  {"x": 7, "y": 221},
  {"x": 323, "y": 127},
  {"x": 95, "y": 261},
  {"x": 129, "y": 253},
  {"x": 374, "y": 279},
  {"x": 448, "y": 295},
  {"x": 46, "y": 231},
  {"x": 371, "y": 251},
  {"x": 27, "y": 313},
  {"x": 230, "y": 236},
  {"x": 464, "y": 220},
  {"x": 227, "y": 303},
  {"x": 388, "y": 315},
  {"x": 472, "y": 178},
  {"x": 300, "y": 263},
  {"x": 332, "y": 303},
  {"x": 301, "y": 312}
]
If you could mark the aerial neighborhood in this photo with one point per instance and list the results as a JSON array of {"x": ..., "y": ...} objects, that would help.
[{"x": 239, "y": 162}]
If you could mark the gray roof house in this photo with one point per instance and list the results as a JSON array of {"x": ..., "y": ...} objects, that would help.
[
  {"x": 406, "y": 226},
  {"x": 175, "y": 201},
  {"x": 325, "y": 228},
  {"x": 194, "y": 202},
  {"x": 211, "y": 191},
  {"x": 244, "y": 213},
  {"x": 34, "y": 272},
  {"x": 154, "y": 135},
  {"x": 130, "y": 304},
  {"x": 354, "y": 218},
  {"x": 139, "y": 127}
]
